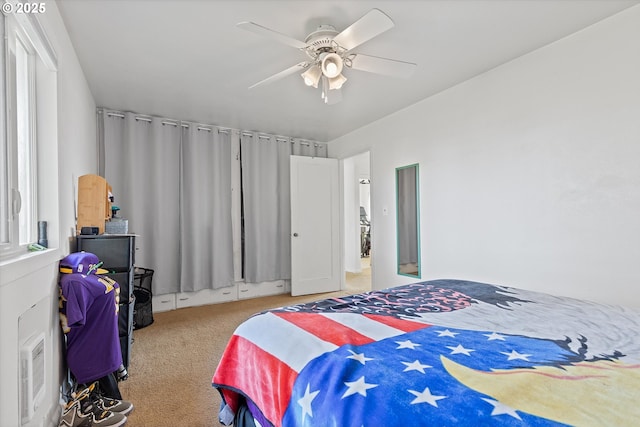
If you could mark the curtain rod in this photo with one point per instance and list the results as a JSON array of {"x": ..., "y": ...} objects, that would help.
[
  {"x": 292, "y": 140},
  {"x": 167, "y": 123},
  {"x": 185, "y": 124}
]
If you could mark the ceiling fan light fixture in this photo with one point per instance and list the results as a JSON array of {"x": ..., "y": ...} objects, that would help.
[
  {"x": 331, "y": 65},
  {"x": 312, "y": 76},
  {"x": 337, "y": 82}
]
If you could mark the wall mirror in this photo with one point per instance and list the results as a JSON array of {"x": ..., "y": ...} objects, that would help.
[{"x": 408, "y": 220}]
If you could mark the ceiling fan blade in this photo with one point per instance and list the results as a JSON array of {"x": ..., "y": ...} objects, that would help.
[
  {"x": 264, "y": 31},
  {"x": 298, "y": 67},
  {"x": 384, "y": 66},
  {"x": 370, "y": 25}
]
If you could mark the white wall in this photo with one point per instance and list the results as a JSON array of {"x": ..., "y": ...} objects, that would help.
[
  {"x": 78, "y": 153},
  {"x": 66, "y": 150},
  {"x": 351, "y": 220},
  {"x": 529, "y": 173},
  {"x": 354, "y": 195}
]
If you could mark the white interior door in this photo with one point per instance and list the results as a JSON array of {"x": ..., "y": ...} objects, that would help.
[{"x": 315, "y": 225}]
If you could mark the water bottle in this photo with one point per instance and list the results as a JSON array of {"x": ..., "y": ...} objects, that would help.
[{"x": 42, "y": 234}]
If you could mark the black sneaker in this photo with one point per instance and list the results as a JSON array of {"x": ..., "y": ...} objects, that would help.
[
  {"x": 90, "y": 405},
  {"x": 72, "y": 416},
  {"x": 114, "y": 405}
]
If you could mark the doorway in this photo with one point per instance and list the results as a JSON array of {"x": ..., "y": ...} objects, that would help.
[{"x": 357, "y": 223}]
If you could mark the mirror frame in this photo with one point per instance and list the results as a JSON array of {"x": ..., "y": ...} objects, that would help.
[{"x": 404, "y": 237}]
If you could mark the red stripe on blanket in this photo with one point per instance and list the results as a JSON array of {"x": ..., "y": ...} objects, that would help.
[
  {"x": 325, "y": 328},
  {"x": 394, "y": 322},
  {"x": 271, "y": 394}
]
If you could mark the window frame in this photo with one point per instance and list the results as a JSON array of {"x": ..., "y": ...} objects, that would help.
[{"x": 18, "y": 145}]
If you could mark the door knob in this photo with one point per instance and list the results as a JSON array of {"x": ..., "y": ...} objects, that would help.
[{"x": 295, "y": 234}]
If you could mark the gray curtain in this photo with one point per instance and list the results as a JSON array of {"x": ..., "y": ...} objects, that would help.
[
  {"x": 161, "y": 192},
  {"x": 143, "y": 168},
  {"x": 207, "y": 241},
  {"x": 266, "y": 203}
]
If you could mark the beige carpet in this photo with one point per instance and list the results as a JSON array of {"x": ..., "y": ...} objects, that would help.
[{"x": 173, "y": 359}]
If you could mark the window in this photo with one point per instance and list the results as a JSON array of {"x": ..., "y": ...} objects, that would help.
[{"x": 18, "y": 180}]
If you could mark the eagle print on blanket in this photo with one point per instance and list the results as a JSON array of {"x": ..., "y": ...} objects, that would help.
[{"x": 442, "y": 352}]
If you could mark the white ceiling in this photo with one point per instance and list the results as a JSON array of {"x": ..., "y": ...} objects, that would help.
[{"x": 187, "y": 59}]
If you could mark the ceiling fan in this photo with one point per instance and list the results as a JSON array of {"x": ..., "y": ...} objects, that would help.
[{"x": 330, "y": 52}]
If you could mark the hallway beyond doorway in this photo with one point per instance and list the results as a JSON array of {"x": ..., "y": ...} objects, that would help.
[{"x": 360, "y": 282}]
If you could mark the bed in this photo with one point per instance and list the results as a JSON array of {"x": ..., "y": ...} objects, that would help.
[{"x": 435, "y": 353}]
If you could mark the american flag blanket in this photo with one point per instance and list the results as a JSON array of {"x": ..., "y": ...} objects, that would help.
[{"x": 436, "y": 353}]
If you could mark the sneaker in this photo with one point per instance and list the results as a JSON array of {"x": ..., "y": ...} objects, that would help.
[
  {"x": 72, "y": 416},
  {"x": 91, "y": 407},
  {"x": 114, "y": 405}
]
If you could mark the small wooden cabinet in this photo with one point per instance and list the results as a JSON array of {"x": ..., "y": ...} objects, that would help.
[
  {"x": 117, "y": 252},
  {"x": 94, "y": 202}
]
